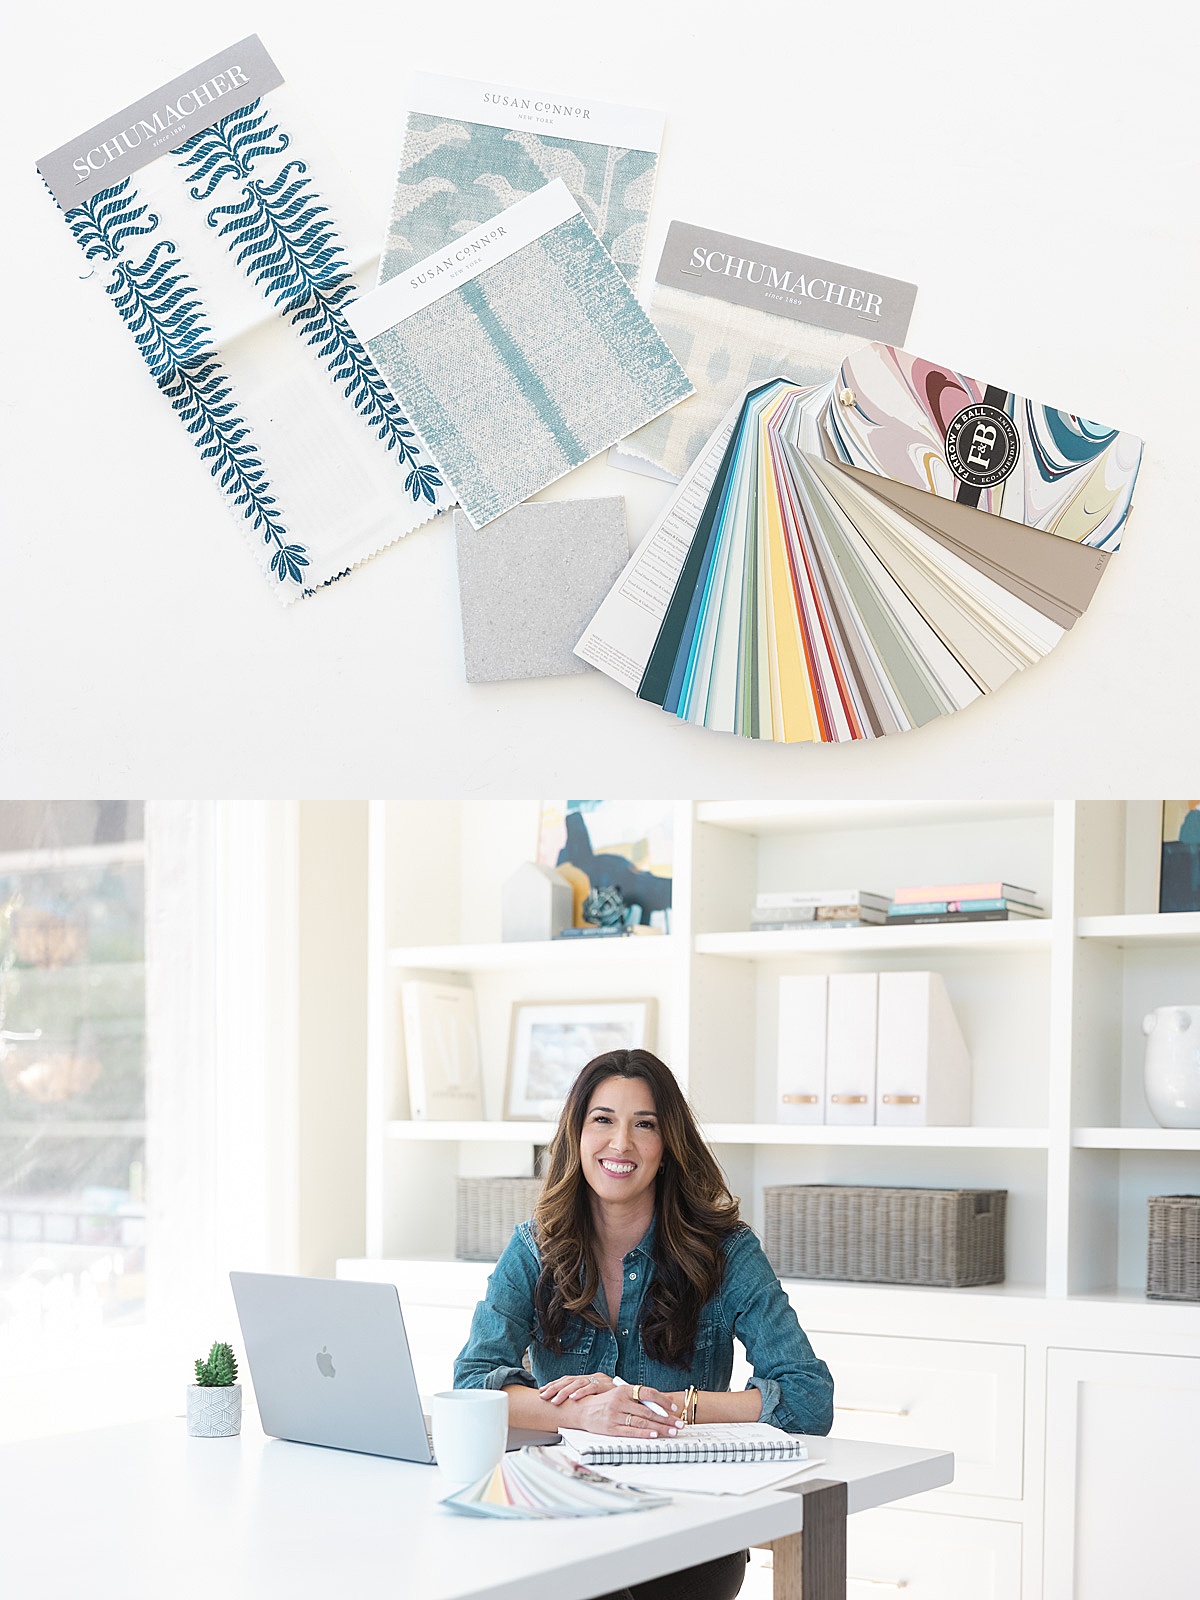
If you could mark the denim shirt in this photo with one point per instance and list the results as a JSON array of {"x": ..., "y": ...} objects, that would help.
[{"x": 750, "y": 1305}]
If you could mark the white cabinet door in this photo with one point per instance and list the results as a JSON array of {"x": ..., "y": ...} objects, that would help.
[
  {"x": 946, "y": 1394},
  {"x": 1122, "y": 1480},
  {"x": 922, "y": 1555},
  {"x": 918, "y": 1555}
]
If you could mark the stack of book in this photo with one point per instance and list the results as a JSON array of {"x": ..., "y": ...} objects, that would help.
[
  {"x": 962, "y": 902},
  {"x": 786, "y": 911}
]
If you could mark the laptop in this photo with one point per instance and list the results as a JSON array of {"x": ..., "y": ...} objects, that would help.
[{"x": 330, "y": 1363}]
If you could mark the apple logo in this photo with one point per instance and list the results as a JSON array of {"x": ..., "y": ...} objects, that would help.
[{"x": 325, "y": 1362}]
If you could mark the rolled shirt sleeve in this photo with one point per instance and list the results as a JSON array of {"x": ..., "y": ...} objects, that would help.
[
  {"x": 502, "y": 1324},
  {"x": 796, "y": 1386}
]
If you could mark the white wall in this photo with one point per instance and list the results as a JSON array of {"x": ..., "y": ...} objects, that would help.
[{"x": 1030, "y": 168}]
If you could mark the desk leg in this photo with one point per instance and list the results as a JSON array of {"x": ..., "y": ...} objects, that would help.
[{"x": 812, "y": 1565}]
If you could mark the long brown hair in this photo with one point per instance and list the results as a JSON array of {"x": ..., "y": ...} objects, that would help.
[{"x": 694, "y": 1210}]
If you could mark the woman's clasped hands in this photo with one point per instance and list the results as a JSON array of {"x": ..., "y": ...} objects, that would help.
[{"x": 599, "y": 1404}]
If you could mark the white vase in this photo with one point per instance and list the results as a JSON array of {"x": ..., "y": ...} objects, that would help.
[
  {"x": 1173, "y": 1065},
  {"x": 214, "y": 1413}
]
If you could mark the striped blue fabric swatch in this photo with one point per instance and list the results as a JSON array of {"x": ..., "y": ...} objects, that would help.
[{"x": 527, "y": 368}]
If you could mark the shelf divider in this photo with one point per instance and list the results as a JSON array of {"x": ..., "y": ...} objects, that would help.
[
  {"x": 1146, "y": 927},
  {"x": 530, "y": 953},
  {"x": 749, "y": 1133},
  {"x": 1135, "y": 1138},
  {"x": 1033, "y": 933}
]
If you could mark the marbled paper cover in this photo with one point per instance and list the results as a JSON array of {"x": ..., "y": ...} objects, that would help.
[{"x": 919, "y": 423}]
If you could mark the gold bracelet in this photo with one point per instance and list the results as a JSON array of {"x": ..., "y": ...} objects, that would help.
[{"x": 690, "y": 1400}]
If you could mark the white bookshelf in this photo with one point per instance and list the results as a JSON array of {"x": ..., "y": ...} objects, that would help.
[
  {"x": 755, "y": 1133},
  {"x": 1051, "y": 1011},
  {"x": 1136, "y": 1138},
  {"x": 759, "y": 1133},
  {"x": 1051, "y": 1007},
  {"x": 1144, "y": 928},
  {"x": 881, "y": 940},
  {"x": 564, "y": 955},
  {"x": 531, "y": 1133}
]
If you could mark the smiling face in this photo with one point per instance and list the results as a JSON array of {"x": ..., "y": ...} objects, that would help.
[{"x": 620, "y": 1147}]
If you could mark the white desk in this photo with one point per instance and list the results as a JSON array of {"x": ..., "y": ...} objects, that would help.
[{"x": 142, "y": 1512}]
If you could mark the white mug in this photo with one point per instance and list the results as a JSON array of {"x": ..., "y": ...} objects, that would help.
[{"x": 470, "y": 1431}]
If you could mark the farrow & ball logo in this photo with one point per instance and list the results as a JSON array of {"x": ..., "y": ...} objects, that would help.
[{"x": 982, "y": 445}]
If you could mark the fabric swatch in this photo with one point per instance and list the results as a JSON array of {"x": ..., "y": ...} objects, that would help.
[
  {"x": 472, "y": 149},
  {"x": 843, "y": 563},
  {"x": 725, "y": 350},
  {"x": 520, "y": 352},
  {"x": 231, "y": 257},
  {"x": 736, "y": 312},
  {"x": 529, "y": 582}
]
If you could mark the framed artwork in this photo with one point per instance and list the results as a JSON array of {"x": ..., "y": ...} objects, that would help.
[
  {"x": 612, "y": 851},
  {"x": 552, "y": 1040},
  {"x": 1179, "y": 879},
  {"x": 442, "y": 1049}
]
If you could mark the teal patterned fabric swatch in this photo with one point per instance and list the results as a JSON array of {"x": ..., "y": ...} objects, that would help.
[
  {"x": 232, "y": 262},
  {"x": 456, "y": 173},
  {"x": 529, "y": 367}
]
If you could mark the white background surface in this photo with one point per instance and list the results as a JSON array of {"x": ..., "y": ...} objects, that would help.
[{"x": 1031, "y": 167}]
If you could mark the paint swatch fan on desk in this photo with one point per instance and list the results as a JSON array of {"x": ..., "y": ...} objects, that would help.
[{"x": 857, "y": 558}]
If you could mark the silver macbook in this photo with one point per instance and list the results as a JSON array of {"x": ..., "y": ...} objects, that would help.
[{"x": 330, "y": 1363}]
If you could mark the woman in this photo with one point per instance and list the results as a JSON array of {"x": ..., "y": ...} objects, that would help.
[{"x": 637, "y": 1268}]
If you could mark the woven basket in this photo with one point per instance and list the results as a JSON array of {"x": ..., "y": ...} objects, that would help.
[
  {"x": 951, "y": 1238},
  {"x": 488, "y": 1211},
  {"x": 1173, "y": 1259}
]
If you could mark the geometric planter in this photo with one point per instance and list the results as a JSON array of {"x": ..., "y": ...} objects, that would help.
[{"x": 214, "y": 1413}]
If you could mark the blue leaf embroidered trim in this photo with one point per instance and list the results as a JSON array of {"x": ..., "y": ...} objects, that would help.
[
  {"x": 104, "y": 222},
  {"x": 159, "y": 307},
  {"x": 228, "y": 149},
  {"x": 283, "y": 238},
  {"x": 163, "y": 311}
]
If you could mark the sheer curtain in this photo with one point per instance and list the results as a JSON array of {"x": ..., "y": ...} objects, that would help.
[
  {"x": 221, "y": 1114},
  {"x": 221, "y": 952}
]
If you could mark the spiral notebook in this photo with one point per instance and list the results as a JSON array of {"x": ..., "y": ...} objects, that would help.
[{"x": 712, "y": 1441}]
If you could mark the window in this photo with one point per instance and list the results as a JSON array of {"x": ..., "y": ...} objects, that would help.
[{"x": 72, "y": 1068}]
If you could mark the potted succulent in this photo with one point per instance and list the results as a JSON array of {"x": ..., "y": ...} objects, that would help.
[{"x": 214, "y": 1408}]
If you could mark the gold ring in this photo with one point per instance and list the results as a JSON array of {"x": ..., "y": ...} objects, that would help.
[
  {"x": 629, "y": 1419},
  {"x": 636, "y": 1391}
]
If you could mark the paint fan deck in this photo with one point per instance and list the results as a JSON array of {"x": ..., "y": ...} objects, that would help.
[{"x": 856, "y": 558}]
